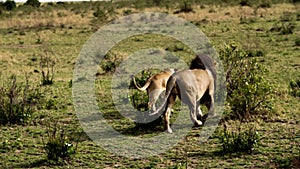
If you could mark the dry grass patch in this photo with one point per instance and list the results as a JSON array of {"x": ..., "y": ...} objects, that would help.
[
  {"x": 59, "y": 18},
  {"x": 233, "y": 13}
]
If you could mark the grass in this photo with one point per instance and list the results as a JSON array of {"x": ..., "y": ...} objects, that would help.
[{"x": 64, "y": 32}]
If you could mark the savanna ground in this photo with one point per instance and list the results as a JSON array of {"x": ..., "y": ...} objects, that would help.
[{"x": 59, "y": 31}]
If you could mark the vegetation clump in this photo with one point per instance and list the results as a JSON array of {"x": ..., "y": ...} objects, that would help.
[
  {"x": 47, "y": 64},
  {"x": 249, "y": 93},
  {"x": 17, "y": 101},
  {"x": 295, "y": 88},
  {"x": 9, "y": 5},
  {"x": 33, "y": 3},
  {"x": 239, "y": 140},
  {"x": 58, "y": 146}
]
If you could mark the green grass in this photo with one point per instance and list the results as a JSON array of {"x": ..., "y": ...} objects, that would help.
[{"x": 21, "y": 146}]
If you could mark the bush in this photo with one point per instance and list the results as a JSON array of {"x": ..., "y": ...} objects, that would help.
[
  {"x": 284, "y": 28},
  {"x": 102, "y": 15},
  {"x": 239, "y": 140},
  {"x": 287, "y": 28},
  {"x": 297, "y": 41},
  {"x": 110, "y": 63},
  {"x": 265, "y": 5},
  {"x": 249, "y": 93},
  {"x": 245, "y": 20},
  {"x": 9, "y": 5},
  {"x": 156, "y": 2},
  {"x": 245, "y": 3},
  {"x": 185, "y": 6},
  {"x": 141, "y": 78},
  {"x": 17, "y": 102},
  {"x": 47, "y": 69},
  {"x": 295, "y": 88},
  {"x": 287, "y": 17},
  {"x": 139, "y": 101},
  {"x": 58, "y": 146},
  {"x": 33, "y": 3}
]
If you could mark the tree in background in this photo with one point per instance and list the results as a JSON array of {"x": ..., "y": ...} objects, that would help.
[
  {"x": 9, "y": 5},
  {"x": 34, "y": 3}
]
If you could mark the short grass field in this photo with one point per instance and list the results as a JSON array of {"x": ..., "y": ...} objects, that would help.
[{"x": 55, "y": 33}]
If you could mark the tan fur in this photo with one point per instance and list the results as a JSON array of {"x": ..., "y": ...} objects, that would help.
[
  {"x": 155, "y": 85},
  {"x": 189, "y": 86}
]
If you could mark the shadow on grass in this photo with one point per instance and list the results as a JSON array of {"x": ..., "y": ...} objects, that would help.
[
  {"x": 139, "y": 129},
  {"x": 37, "y": 164},
  {"x": 154, "y": 127},
  {"x": 220, "y": 154}
]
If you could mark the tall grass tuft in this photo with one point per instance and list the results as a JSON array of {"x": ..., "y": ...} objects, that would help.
[
  {"x": 238, "y": 139},
  {"x": 47, "y": 68},
  {"x": 17, "y": 101},
  {"x": 295, "y": 88},
  {"x": 59, "y": 147}
]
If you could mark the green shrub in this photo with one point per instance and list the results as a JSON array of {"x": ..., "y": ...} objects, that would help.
[
  {"x": 10, "y": 144},
  {"x": 283, "y": 28},
  {"x": 289, "y": 161},
  {"x": 245, "y": 20},
  {"x": 157, "y": 2},
  {"x": 249, "y": 93},
  {"x": 185, "y": 6},
  {"x": 102, "y": 15},
  {"x": 239, "y": 140},
  {"x": 9, "y": 5},
  {"x": 245, "y": 3},
  {"x": 295, "y": 88},
  {"x": 255, "y": 53},
  {"x": 139, "y": 101},
  {"x": 47, "y": 69},
  {"x": 287, "y": 28},
  {"x": 297, "y": 41},
  {"x": 51, "y": 104},
  {"x": 33, "y": 3},
  {"x": 17, "y": 101},
  {"x": 266, "y": 4},
  {"x": 287, "y": 16},
  {"x": 110, "y": 63},
  {"x": 58, "y": 146},
  {"x": 141, "y": 78}
]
